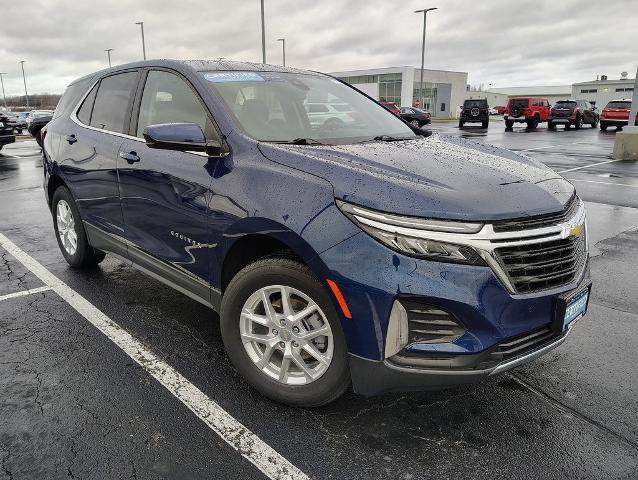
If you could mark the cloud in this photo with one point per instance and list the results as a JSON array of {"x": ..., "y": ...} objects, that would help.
[{"x": 505, "y": 43}]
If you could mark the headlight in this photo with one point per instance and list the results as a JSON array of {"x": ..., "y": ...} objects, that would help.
[{"x": 408, "y": 235}]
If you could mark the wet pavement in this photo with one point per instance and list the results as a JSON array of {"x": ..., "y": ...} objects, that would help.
[{"x": 73, "y": 405}]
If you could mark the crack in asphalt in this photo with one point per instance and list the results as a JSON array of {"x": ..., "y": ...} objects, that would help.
[{"x": 554, "y": 402}]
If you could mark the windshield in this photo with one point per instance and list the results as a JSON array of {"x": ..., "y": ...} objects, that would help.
[{"x": 287, "y": 107}]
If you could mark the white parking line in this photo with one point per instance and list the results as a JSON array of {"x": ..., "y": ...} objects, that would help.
[
  {"x": 23, "y": 293},
  {"x": 588, "y": 166},
  {"x": 602, "y": 183},
  {"x": 249, "y": 445}
]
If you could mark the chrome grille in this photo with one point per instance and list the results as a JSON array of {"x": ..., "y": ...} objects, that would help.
[
  {"x": 543, "y": 265},
  {"x": 538, "y": 221}
]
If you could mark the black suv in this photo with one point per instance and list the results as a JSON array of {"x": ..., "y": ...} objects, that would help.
[
  {"x": 475, "y": 111},
  {"x": 6, "y": 131},
  {"x": 573, "y": 112}
]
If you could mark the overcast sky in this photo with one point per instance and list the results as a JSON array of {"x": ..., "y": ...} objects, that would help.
[{"x": 502, "y": 42}]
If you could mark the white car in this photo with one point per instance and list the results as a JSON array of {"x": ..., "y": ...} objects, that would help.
[{"x": 493, "y": 111}]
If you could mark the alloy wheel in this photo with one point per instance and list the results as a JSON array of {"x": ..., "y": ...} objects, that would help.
[
  {"x": 66, "y": 227},
  {"x": 286, "y": 335}
]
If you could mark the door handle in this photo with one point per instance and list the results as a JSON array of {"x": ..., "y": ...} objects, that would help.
[
  {"x": 71, "y": 139},
  {"x": 130, "y": 157}
]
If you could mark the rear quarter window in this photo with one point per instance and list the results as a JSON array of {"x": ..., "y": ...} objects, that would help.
[
  {"x": 112, "y": 102},
  {"x": 71, "y": 97}
]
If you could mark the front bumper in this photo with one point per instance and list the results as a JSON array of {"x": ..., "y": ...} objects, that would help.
[{"x": 371, "y": 377}]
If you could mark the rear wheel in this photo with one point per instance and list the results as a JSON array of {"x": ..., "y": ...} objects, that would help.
[
  {"x": 36, "y": 134},
  {"x": 532, "y": 123},
  {"x": 551, "y": 126},
  {"x": 415, "y": 123},
  {"x": 509, "y": 124},
  {"x": 603, "y": 127},
  {"x": 579, "y": 123},
  {"x": 619, "y": 128},
  {"x": 594, "y": 124},
  {"x": 70, "y": 233},
  {"x": 282, "y": 333},
  {"x": 485, "y": 124},
  {"x": 461, "y": 123}
]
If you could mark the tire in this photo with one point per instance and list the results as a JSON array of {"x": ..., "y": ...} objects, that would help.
[
  {"x": 415, "y": 123},
  {"x": 84, "y": 255},
  {"x": 579, "y": 123},
  {"x": 461, "y": 123},
  {"x": 244, "y": 290},
  {"x": 619, "y": 128},
  {"x": 594, "y": 124},
  {"x": 551, "y": 126},
  {"x": 533, "y": 123},
  {"x": 509, "y": 124},
  {"x": 485, "y": 124},
  {"x": 568, "y": 126},
  {"x": 603, "y": 127}
]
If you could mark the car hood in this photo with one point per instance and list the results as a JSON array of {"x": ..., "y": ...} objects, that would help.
[{"x": 436, "y": 177}]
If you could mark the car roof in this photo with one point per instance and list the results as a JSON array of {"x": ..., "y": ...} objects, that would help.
[{"x": 200, "y": 66}]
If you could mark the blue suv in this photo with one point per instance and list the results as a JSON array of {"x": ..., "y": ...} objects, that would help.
[{"x": 339, "y": 245}]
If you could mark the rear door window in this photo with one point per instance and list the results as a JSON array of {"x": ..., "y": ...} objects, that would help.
[
  {"x": 169, "y": 99},
  {"x": 112, "y": 102}
]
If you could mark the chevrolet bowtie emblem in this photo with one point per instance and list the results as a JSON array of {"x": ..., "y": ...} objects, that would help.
[{"x": 576, "y": 231}]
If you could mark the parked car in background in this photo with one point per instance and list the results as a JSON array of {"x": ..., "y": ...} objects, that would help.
[
  {"x": 22, "y": 116},
  {"x": 36, "y": 121},
  {"x": 14, "y": 122},
  {"x": 415, "y": 116},
  {"x": 391, "y": 106},
  {"x": 616, "y": 114},
  {"x": 500, "y": 110},
  {"x": 529, "y": 110},
  {"x": 475, "y": 111},
  {"x": 493, "y": 111},
  {"x": 375, "y": 255},
  {"x": 573, "y": 112},
  {"x": 6, "y": 131}
]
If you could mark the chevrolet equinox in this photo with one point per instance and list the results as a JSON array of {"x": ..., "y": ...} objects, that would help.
[{"x": 341, "y": 249}]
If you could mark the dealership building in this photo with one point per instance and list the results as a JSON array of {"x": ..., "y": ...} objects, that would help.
[
  {"x": 601, "y": 91},
  {"x": 443, "y": 90}
]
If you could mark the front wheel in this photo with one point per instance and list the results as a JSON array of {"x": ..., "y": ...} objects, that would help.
[
  {"x": 282, "y": 333},
  {"x": 594, "y": 124},
  {"x": 603, "y": 127},
  {"x": 415, "y": 123},
  {"x": 70, "y": 233},
  {"x": 551, "y": 126}
]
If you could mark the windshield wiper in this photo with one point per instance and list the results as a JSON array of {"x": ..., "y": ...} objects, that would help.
[
  {"x": 300, "y": 141},
  {"x": 390, "y": 138}
]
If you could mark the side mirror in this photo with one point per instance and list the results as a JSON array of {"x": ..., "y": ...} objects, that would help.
[{"x": 180, "y": 136}]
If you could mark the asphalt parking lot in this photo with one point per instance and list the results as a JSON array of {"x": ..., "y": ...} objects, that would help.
[{"x": 110, "y": 374}]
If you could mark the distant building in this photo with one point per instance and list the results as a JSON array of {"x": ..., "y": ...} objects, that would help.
[
  {"x": 494, "y": 99},
  {"x": 443, "y": 91},
  {"x": 549, "y": 92},
  {"x": 601, "y": 91}
]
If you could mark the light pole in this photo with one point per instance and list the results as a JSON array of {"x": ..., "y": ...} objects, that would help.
[
  {"x": 24, "y": 79},
  {"x": 108, "y": 54},
  {"x": 283, "y": 49},
  {"x": 141, "y": 24},
  {"x": 425, "y": 13},
  {"x": 2, "y": 83},
  {"x": 263, "y": 34}
]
